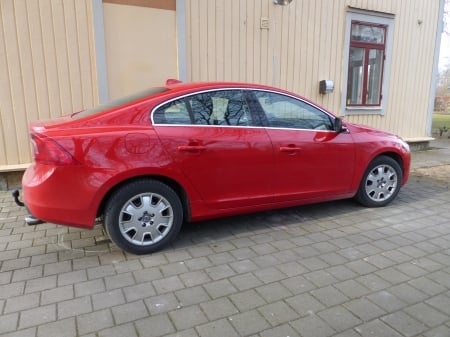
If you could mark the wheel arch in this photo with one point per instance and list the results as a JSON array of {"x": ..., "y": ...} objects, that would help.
[
  {"x": 394, "y": 156},
  {"x": 362, "y": 169},
  {"x": 385, "y": 194},
  {"x": 172, "y": 183}
]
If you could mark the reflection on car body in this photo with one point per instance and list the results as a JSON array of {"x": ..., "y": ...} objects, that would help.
[{"x": 192, "y": 151}]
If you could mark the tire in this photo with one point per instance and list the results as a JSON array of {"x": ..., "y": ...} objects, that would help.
[
  {"x": 143, "y": 216},
  {"x": 381, "y": 182}
]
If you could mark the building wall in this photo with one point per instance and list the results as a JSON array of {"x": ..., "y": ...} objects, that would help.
[
  {"x": 140, "y": 44},
  {"x": 304, "y": 43},
  {"x": 47, "y": 68},
  {"x": 48, "y": 55}
]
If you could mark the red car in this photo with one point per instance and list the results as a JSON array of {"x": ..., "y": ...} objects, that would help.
[{"x": 184, "y": 152}]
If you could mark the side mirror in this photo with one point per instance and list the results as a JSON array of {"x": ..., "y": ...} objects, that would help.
[{"x": 338, "y": 126}]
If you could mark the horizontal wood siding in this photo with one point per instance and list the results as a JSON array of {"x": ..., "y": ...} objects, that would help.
[
  {"x": 305, "y": 44},
  {"x": 47, "y": 67}
]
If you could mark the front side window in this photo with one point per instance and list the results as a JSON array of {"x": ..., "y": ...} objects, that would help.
[
  {"x": 365, "y": 65},
  {"x": 220, "y": 107},
  {"x": 282, "y": 111}
]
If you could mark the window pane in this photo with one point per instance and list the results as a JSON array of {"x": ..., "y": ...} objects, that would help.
[
  {"x": 365, "y": 33},
  {"x": 174, "y": 112},
  {"x": 202, "y": 108},
  {"x": 230, "y": 108},
  {"x": 222, "y": 107},
  {"x": 355, "y": 76},
  {"x": 374, "y": 76},
  {"x": 118, "y": 102},
  {"x": 287, "y": 112}
]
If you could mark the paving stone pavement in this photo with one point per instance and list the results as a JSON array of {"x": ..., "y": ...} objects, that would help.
[{"x": 332, "y": 269}]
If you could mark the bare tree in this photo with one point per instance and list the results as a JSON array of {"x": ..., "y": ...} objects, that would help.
[
  {"x": 447, "y": 17},
  {"x": 443, "y": 78},
  {"x": 443, "y": 82}
]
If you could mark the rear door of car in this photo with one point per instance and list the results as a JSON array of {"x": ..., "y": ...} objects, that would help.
[
  {"x": 213, "y": 138},
  {"x": 311, "y": 159}
]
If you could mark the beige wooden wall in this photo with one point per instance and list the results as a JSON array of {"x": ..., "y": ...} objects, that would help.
[
  {"x": 47, "y": 57},
  {"x": 305, "y": 44},
  {"x": 141, "y": 45},
  {"x": 47, "y": 68}
]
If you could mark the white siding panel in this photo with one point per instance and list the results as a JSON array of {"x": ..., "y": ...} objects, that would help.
[
  {"x": 46, "y": 68},
  {"x": 141, "y": 48},
  {"x": 12, "y": 122},
  {"x": 38, "y": 59},
  {"x": 305, "y": 44}
]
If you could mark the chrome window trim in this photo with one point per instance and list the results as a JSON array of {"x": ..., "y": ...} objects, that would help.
[{"x": 237, "y": 126}]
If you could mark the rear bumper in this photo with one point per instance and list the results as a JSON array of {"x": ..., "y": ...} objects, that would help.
[{"x": 59, "y": 195}]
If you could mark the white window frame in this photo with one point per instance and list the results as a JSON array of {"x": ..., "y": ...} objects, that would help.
[{"x": 380, "y": 18}]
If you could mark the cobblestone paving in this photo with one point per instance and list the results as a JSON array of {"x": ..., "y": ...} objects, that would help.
[{"x": 333, "y": 269}]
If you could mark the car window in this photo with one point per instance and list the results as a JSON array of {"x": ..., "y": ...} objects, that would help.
[
  {"x": 174, "y": 112},
  {"x": 283, "y": 111},
  {"x": 220, "y": 107},
  {"x": 118, "y": 102}
]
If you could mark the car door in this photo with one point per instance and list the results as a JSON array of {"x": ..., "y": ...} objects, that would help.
[
  {"x": 212, "y": 138},
  {"x": 312, "y": 161}
]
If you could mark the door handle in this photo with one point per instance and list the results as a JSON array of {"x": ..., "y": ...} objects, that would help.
[
  {"x": 191, "y": 148},
  {"x": 290, "y": 149}
]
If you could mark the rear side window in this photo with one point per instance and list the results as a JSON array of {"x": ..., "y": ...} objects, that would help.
[
  {"x": 175, "y": 112},
  {"x": 118, "y": 102},
  {"x": 221, "y": 107}
]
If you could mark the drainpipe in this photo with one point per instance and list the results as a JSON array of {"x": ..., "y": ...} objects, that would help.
[
  {"x": 100, "y": 51},
  {"x": 181, "y": 40},
  {"x": 440, "y": 27}
]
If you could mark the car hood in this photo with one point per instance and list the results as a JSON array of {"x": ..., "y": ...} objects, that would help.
[
  {"x": 355, "y": 128},
  {"x": 367, "y": 134}
]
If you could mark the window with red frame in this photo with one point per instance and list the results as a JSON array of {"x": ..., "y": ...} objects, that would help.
[{"x": 366, "y": 60}]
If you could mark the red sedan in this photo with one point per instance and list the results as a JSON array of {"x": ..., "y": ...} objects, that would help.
[{"x": 184, "y": 152}]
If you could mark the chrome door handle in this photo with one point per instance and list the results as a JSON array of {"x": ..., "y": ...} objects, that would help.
[
  {"x": 191, "y": 148},
  {"x": 289, "y": 149}
]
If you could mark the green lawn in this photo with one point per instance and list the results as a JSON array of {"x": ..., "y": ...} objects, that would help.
[{"x": 439, "y": 121}]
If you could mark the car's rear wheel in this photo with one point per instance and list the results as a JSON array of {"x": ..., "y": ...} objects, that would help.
[
  {"x": 143, "y": 216},
  {"x": 381, "y": 182}
]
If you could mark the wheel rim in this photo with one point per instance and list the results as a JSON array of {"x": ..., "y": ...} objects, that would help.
[
  {"x": 146, "y": 219},
  {"x": 381, "y": 183}
]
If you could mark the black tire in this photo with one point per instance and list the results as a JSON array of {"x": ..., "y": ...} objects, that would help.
[
  {"x": 143, "y": 216},
  {"x": 380, "y": 183}
]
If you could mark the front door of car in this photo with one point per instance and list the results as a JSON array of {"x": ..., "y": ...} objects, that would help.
[
  {"x": 210, "y": 137},
  {"x": 311, "y": 159}
]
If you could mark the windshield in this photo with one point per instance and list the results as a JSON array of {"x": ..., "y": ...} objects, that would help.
[{"x": 118, "y": 102}]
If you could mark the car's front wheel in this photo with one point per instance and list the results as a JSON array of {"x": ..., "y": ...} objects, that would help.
[
  {"x": 143, "y": 216},
  {"x": 381, "y": 182}
]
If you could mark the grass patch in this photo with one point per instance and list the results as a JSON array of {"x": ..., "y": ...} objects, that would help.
[{"x": 439, "y": 121}]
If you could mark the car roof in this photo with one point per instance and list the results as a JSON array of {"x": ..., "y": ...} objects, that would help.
[
  {"x": 193, "y": 86},
  {"x": 179, "y": 88}
]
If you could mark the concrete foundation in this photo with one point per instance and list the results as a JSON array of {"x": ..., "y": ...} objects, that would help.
[{"x": 10, "y": 180}]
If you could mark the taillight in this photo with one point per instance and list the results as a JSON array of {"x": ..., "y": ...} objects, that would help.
[{"x": 47, "y": 151}]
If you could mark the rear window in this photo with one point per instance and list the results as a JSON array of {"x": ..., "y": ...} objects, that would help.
[{"x": 118, "y": 102}]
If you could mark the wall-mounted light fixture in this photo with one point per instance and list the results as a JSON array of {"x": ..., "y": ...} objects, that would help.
[
  {"x": 282, "y": 2},
  {"x": 326, "y": 87}
]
